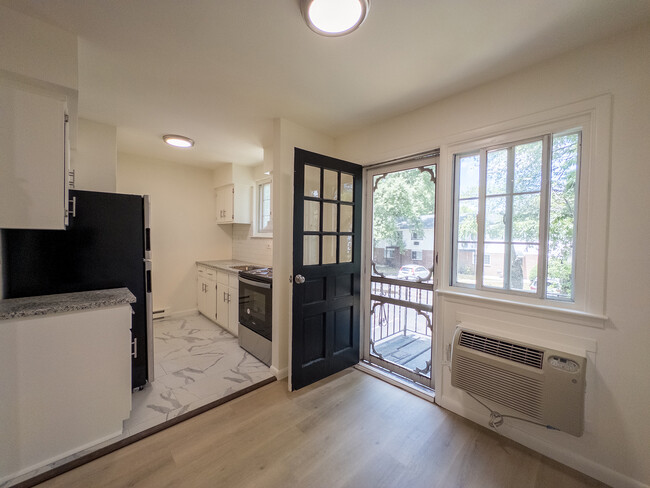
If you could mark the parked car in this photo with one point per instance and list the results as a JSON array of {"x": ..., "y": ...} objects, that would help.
[
  {"x": 552, "y": 286},
  {"x": 412, "y": 272}
]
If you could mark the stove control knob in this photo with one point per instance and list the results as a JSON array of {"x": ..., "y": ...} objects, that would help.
[{"x": 299, "y": 279}]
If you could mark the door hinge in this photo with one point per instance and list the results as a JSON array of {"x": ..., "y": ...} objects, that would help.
[
  {"x": 66, "y": 118},
  {"x": 134, "y": 348}
]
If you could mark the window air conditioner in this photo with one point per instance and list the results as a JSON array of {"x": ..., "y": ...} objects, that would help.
[{"x": 545, "y": 385}]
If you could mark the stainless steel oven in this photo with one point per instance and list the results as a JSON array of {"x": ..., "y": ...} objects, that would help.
[{"x": 255, "y": 312}]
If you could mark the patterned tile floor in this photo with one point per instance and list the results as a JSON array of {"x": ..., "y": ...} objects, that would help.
[{"x": 196, "y": 363}]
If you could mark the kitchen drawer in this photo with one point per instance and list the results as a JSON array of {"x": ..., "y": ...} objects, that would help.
[{"x": 207, "y": 273}]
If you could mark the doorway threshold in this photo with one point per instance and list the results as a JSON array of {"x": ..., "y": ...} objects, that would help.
[{"x": 396, "y": 380}]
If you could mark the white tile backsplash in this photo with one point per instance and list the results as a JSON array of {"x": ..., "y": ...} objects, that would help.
[{"x": 252, "y": 249}]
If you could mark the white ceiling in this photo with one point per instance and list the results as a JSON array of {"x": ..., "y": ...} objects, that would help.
[{"x": 220, "y": 71}]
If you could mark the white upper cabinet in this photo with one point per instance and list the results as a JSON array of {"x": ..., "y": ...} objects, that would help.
[
  {"x": 233, "y": 204},
  {"x": 33, "y": 159}
]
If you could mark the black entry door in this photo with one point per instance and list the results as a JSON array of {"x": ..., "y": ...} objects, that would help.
[{"x": 326, "y": 266}]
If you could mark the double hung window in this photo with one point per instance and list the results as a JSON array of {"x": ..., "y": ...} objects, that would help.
[{"x": 515, "y": 216}]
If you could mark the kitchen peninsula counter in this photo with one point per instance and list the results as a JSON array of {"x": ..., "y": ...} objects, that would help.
[{"x": 15, "y": 308}]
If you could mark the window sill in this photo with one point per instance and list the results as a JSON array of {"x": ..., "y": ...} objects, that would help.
[
  {"x": 577, "y": 317},
  {"x": 261, "y": 236}
]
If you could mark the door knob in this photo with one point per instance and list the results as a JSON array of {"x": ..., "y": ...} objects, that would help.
[{"x": 299, "y": 279}]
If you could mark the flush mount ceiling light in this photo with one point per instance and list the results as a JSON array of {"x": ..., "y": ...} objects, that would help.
[
  {"x": 178, "y": 141},
  {"x": 334, "y": 17}
]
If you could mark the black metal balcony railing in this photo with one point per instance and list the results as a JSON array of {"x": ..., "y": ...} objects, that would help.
[{"x": 402, "y": 308}]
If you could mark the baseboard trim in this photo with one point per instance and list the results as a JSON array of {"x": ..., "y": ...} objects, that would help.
[
  {"x": 565, "y": 456},
  {"x": 280, "y": 374}
]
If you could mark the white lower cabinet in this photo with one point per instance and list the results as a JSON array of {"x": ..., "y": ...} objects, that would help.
[
  {"x": 218, "y": 297},
  {"x": 65, "y": 385},
  {"x": 207, "y": 292},
  {"x": 228, "y": 301}
]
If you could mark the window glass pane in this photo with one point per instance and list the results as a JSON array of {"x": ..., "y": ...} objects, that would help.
[
  {"x": 493, "y": 265},
  {"x": 265, "y": 224},
  {"x": 466, "y": 263},
  {"x": 347, "y": 187},
  {"x": 497, "y": 172},
  {"x": 467, "y": 212},
  {"x": 329, "y": 249},
  {"x": 312, "y": 216},
  {"x": 330, "y": 220},
  {"x": 562, "y": 212},
  {"x": 346, "y": 218},
  {"x": 495, "y": 219},
  {"x": 528, "y": 167},
  {"x": 469, "y": 166},
  {"x": 525, "y": 218},
  {"x": 523, "y": 267},
  {"x": 310, "y": 250},
  {"x": 331, "y": 185},
  {"x": 312, "y": 181},
  {"x": 345, "y": 249}
]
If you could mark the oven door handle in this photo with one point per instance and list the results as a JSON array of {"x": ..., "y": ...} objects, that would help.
[{"x": 255, "y": 283}]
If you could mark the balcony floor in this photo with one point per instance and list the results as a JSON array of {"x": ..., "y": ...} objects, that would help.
[{"x": 409, "y": 351}]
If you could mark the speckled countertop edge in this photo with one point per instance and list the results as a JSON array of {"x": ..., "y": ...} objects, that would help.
[
  {"x": 226, "y": 265},
  {"x": 14, "y": 308}
]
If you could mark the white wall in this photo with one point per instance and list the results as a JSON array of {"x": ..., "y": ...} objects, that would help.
[
  {"x": 95, "y": 159},
  {"x": 183, "y": 229},
  {"x": 287, "y": 136},
  {"x": 615, "y": 445},
  {"x": 37, "y": 50}
]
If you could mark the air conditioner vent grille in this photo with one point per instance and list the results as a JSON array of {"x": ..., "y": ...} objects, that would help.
[
  {"x": 502, "y": 349},
  {"x": 508, "y": 388}
]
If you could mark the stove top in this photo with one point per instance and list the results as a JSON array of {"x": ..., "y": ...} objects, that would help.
[{"x": 265, "y": 274}]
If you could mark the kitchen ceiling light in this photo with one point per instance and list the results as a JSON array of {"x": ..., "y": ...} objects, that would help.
[
  {"x": 334, "y": 17},
  {"x": 178, "y": 141}
]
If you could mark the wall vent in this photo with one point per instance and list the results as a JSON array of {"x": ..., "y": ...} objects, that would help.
[{"x": 546, "y": 385}]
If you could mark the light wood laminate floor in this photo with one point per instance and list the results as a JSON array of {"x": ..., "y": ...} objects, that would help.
[{"x": 350, "y": 430}]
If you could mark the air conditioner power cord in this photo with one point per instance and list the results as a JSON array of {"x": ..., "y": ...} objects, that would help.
[{"x": 497, "y": 419}]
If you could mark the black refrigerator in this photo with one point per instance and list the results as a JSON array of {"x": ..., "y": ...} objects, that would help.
[{"x": 106, "y": 245}]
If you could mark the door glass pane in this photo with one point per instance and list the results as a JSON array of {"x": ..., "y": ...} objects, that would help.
[
  {"x": 497, "y": 170},
  {"x": 345, "y": 249},
  {"x": 329, "y": 217},
  {"x": 346, "y": 218},
  {"x": 523, "y": 268},
  {"x": 493, "y": 265},
  {"x": 329, "y": 249},
  {"x": 347, "y": 187},
  {"x": 310, "y": 250},
  {"x": 312, "y": 181},
  {"x": 528, "y": 167},
  {"x": 312, "y": 216},
  {"x": 331, "y": 185}
]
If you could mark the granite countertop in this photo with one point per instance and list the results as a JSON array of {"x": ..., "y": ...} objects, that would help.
[
  {"x": 227, "y": 264},
  {"x": 14, "y": 308}
]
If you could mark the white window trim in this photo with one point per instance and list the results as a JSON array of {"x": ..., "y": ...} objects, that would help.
[
  {"x": 594, "y": 117},
  {"x": 256, "y": 210}
]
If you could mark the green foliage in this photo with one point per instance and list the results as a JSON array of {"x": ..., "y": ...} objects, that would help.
[{"x": 399, "y": 201}]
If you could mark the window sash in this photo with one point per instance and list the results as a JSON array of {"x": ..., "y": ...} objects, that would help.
[{"x": 543, "y": 221}]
